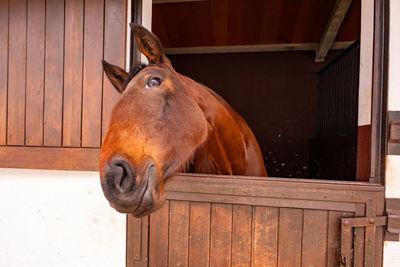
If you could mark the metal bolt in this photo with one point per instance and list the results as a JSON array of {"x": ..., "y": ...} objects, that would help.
[
  {"x": 346, "y": 222},
  {"x": 371, "y": 220}
]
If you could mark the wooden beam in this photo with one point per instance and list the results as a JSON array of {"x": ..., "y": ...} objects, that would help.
[
  {"x": 50, "y": 158},
  {"x": 175, "y": 1},
  {"x": 250, "y": 48},
  {"x": 335, "y": 21}
]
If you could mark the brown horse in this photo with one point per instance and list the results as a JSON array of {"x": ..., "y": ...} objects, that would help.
[{"x": 164, "y": 123}]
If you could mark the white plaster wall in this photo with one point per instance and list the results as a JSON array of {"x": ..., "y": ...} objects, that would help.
[
  {"x": 58, "y": 218},
  {"x": 391, "y": 255},
  {"x": 391, "y": 250}
]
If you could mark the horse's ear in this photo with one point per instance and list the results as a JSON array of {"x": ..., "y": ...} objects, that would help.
[
  {"x": 148, "y": 44},
  {"x": 116, "y": 75}
]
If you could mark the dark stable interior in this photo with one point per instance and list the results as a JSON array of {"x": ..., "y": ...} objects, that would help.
[
  {"x": 275, "y": 92},
  {"x": 303, "y": 113}
]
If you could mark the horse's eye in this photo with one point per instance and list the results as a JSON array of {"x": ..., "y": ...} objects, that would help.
[{"x": 153, "y": 82}]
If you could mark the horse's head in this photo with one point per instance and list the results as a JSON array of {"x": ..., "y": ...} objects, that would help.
[{"x": 155, "y": 129}]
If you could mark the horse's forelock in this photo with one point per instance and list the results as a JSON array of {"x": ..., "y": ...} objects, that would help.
[{"x": 135, "y": 69}]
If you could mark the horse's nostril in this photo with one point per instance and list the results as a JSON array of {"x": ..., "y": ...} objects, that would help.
[{"x": 123, "y": 176}]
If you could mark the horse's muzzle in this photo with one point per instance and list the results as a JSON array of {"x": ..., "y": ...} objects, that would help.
[{"x": 132, "y": 189}]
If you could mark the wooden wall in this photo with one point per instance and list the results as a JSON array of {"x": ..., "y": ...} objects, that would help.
[
  {"x": 241, "y": 22},
  {"x": 54, "y": 100},
  {"x": 245, "y": 221}
]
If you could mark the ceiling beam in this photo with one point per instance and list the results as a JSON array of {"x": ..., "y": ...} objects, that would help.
[
  {"x": 332, "y": 28},
  {"x": 251, "y": 48},
  {"x": 174, "y": 1}
]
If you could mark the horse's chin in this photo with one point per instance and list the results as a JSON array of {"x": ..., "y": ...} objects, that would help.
[{"x": 144, "y": 208}]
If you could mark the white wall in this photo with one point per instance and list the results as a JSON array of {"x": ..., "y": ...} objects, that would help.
[
  {"x": 58, "y": 218},
  {"x": 391, "y": 256}
]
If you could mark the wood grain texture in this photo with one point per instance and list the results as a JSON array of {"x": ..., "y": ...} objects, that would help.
[
  {"x": 333, "y": 238},
  {"x": 3, "y": 69},
  {"x": 234, "y": 22},
  {"x": 50, "y": 158},
  {"x": 221, "y": 231},
  {"x": 35, "y": 72},
  {"x": 137, "y": 247},
  {"x": 73, "y": 65},
  {"x": 92, "y": 73},
  {"x": 16, "y": 73},
  {"x": 54, "y": 69},
  {"x": 315, "y": 225},
  {"x": 359, "y": 239},
  {"x": 280, "y": 235},
  {"x": 178, "y": 233},
  {"x": 332, "y": 28},
  {"x": 363, "y": 153},
  {"x": 158, "y": 240},
  {"x": 199, "y": 236},
  {"x": 265, "y": 236},
  {"x": 241, "y": 235},
  {"x": 114, "y": 52},
  {"x": 290, "y": 236}
]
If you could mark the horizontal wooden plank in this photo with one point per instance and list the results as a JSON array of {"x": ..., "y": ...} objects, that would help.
[
  {"x": 270, "y": 188},
  {"x": 263, "y": 201},
  {"x": 294, "y": 182},
  {"x": 82, "y": 159},
  {"x": 250, "y": 48}
]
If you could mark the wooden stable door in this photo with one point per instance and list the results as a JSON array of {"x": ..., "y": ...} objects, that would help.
[{"x": 238, "y": 221}]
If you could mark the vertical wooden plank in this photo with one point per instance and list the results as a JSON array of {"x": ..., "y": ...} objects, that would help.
[
  {"x": 369, "y": 256},
  {"x": 16, "y": 73},
  {"x": 265, "y": 236},
  {"x": 92, "y": 73},
  {"x": 333, "y": 239},
  {"x": 370, "y": 233},
  {"x": 221, "y": 231},
  {"x": 220, "y": 19},
  {"x": 178, "y": 233},
  {"x": 134, "y": 240},
  {"x": 314, "y": 238},
  {"x": 54, "y": 64},
  {"x": 380, "y": 207},
  {"x": 35, "y": 72},
  {"x": 3, "y": 69},
  {"x": 158, "y": 245},
  {"x": 137, "y": 241},
  {"x": 290, "y": 235},
  {"x": 359, "y": 238},
  {"x": 241, "y": 235},
  {"x": 73, "y": 73},
  {"x": 145, "y": 242},
  {"x": 114, "y": 52},
  {"x": 199, "y": 240},
  {"x": 346, "y": 244}
]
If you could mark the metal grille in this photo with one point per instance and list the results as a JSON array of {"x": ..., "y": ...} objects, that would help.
[{"x": 337, "y": 95}]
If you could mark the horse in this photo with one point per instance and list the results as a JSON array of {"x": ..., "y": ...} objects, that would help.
[{"x": 165, "y": 123}]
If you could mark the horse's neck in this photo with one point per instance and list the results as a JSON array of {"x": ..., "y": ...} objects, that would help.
[{"x": 230, "y": 147}]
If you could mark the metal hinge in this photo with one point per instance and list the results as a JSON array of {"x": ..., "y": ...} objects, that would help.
[
  {"x": 393, "y": 219},
  {"x": 345, "y": 253}
]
